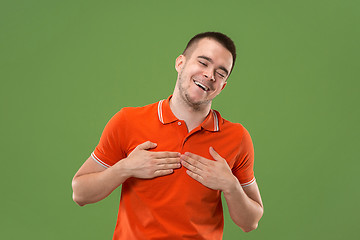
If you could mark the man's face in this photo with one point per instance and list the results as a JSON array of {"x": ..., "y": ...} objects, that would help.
[{"x": 202, "y": 74}]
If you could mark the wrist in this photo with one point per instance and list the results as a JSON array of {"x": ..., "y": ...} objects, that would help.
[
  {"x": 121, "y": 169},
  {"x": 232, "y": 186}
]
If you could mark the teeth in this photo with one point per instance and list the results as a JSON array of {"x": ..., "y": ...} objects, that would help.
[{"x": 201, "y": 85}]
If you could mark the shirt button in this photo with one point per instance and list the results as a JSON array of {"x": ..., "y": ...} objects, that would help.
[{"x": 179, "y": 123}]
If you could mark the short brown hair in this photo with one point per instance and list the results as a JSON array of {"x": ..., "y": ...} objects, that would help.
[{"x": 217, "y": 36}]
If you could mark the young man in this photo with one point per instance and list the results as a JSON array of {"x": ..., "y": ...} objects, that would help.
[{"x": 173, "y": 158}]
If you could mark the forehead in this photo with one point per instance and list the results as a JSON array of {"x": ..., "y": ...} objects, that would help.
[{"x": 214, "y": 50}]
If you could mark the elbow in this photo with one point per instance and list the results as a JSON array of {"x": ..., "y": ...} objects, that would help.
[
  {"x": 252, "y": 225},
  {"x": 249, "y": 228},
  {"x": 78, "y": 201},
  {"x": 76, "y": 198}
]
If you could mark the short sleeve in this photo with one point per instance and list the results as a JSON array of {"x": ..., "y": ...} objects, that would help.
[
  {"x": 110, "y": 149},
  {"x": 243, "y": 168}
]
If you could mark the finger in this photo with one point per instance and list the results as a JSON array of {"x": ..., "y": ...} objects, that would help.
[
  {"x": 159, "y": 173},
  {"x": 167, "y": 161},
  {"x": 188, "y": 161},
  {"x": 191, "y": 168},
  {"x": 160, "y": 155},
  {"x": 214, "y": 154},
  {"x": 146, "y": 145},
  {"x": 195, "y": 176},
  {"x": 169, "y": 166},
  {"x": 197, "y": 158}
]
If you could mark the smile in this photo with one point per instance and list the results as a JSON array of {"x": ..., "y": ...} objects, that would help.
[{"x": 202, "y": 86}]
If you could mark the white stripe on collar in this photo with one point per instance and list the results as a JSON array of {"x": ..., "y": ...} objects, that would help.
[
  {"x": 160, "y": 111},
  {"x": 160, "y": 115},
  {"x": 216, "y": 122}
]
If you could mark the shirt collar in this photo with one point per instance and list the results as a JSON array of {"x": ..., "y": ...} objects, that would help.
[{"x": 211, "y": 123}]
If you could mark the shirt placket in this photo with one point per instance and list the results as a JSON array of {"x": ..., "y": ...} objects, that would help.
[{"x": 183, "y": 133}]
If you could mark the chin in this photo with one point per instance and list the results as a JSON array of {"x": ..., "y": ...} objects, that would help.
[{"x": 196, "y": 103}]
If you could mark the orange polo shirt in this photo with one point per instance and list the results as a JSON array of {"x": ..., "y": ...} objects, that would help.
[{"x": 173, "y": 206}]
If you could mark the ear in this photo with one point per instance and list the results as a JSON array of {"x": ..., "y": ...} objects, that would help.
[
  {"x": 223, "y": 85},
  {"x": 179, "y": 63}
]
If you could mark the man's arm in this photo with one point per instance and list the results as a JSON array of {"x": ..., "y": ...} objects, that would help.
[
  {"x": 245, "y": 205},
  {"x": 94, "y": 182}
]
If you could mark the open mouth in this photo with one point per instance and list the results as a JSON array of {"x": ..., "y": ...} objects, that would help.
[{"x": 202, "y": 86}]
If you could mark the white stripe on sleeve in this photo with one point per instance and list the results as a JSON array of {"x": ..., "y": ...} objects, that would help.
[
  {"x": 99, "y": 161},
  {"x": 248, "y": 183}
]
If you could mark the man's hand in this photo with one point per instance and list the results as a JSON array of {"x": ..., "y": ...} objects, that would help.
[
  {"x": 216, "y": 174},
  {"x": 142, "y": 163}
]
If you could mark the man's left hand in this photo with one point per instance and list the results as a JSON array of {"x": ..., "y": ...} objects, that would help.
[{"x": 216, "y": 174}]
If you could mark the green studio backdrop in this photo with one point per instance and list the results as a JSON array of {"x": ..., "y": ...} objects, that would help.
[{"x": 67, "y": 66}]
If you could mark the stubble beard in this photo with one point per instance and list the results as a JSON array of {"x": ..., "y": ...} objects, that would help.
[{"x": 195, "y": 105}]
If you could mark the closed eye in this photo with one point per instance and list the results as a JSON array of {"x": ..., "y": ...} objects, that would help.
[
  {"x": 221, "y": 75},
  {"x": 202, "y": 63}
]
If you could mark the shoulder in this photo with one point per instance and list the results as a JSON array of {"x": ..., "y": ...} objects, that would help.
[
  {"x": 135, "y": 113},
  {"x": 234, "y": 128}
]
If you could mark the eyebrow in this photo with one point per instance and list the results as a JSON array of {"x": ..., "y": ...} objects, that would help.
[{"x": 210, "y": 60}]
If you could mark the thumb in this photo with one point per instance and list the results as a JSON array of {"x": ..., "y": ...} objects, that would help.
[
  {"x": 214, "y": 154},
  {"x": 146, "y": 145}
]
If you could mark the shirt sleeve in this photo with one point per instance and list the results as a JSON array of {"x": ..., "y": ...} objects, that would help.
[
  {"x": 244, "y": 166},
  {"x": 110, "y": 149}
]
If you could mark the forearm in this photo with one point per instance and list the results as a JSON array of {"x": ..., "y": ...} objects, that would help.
[
  {"x": 244, "y": 211},
  {"x": 93, "y": 187}
]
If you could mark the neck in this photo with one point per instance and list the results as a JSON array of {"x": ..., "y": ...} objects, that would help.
[{"x": 192, "y": 116}]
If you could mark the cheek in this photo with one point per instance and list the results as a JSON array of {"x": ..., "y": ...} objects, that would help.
[
  {"x": 194, "y": 69},
  {"x": 219, "y": 88}
]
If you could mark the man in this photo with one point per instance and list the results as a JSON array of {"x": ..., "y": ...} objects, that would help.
[{"x": 175, "y": 157}]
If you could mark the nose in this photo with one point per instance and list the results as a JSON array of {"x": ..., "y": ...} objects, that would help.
[{"x": 209, "y": 75}]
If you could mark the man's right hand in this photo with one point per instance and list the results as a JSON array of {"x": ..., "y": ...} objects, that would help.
[
  {"x": 142, "y": 163},
  {"x": 93, "y": 182}
]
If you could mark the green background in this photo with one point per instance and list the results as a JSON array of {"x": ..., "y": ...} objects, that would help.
[{"x": 67, "y": 66}]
